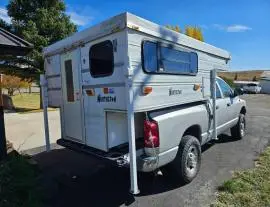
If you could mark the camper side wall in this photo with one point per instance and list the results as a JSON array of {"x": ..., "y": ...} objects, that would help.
[{"x": 168, "y": 89}]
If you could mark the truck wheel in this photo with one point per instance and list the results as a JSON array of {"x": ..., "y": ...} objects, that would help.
[
  {"x": 188, "y": 159},
  {"x": 239, "y": 130}
]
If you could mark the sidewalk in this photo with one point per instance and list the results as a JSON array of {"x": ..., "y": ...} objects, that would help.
[{"x": 26, "y": 131}]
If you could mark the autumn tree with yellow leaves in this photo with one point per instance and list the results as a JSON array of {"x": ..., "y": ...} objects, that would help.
[{"x": 194, "y": 32}]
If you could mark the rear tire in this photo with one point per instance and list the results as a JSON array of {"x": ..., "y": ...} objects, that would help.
[
  {"x": 187, "y": 163},
  {"x": 239, "y": 130}
]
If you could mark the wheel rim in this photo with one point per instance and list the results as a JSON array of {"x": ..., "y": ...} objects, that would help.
[
  {"x": 242, "y": 127},
  {"x": 192, "y": 160}
]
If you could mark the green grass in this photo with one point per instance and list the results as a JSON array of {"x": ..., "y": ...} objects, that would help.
[
  {"x": 27, "y": 103},
  {"x": 248, "y": 188},
  {"x": 19, "y": 183}
]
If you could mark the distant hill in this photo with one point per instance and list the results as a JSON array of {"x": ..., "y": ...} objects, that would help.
[{"x": 253, "y": 75}]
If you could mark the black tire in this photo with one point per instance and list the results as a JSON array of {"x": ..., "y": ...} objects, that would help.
[
  {"x": 184, "y": 166},
  {"x": 239, "y": 130}
]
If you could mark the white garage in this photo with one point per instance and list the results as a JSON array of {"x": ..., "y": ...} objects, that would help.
[{"x": 265, "y": 82}]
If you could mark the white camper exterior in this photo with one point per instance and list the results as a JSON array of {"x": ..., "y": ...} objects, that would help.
[{"x": 95, "y": 115}]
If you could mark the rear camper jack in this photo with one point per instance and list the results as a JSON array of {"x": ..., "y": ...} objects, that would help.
[{"x": 131, "y": 138}]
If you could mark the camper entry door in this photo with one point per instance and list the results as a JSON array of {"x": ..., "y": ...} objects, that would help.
[{"x": 70, "y": 68}]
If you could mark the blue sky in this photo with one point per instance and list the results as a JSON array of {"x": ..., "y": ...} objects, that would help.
[{"x": 240, "y": 26}]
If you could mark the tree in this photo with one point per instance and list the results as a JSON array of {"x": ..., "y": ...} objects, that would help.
[
  {"x": 40, "y": 22},
  {"x": 194, "y": 32},
  {"x": 229, "y": 81},
  {"x": 5, "y": 25},
  {"x": 174, "y": 28},
  {"x": 236, "y": 76},
  {"x": 13, "y": 83},
  {"x": 254, "y": 78}
]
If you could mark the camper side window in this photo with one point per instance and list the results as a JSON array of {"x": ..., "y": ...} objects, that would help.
[
  {"x": 176, "y": 61},
  {"x": 69, "y": 81},
  {"x": 101, "y": 59},
  {"x": 160, "y": 59},
  {"x": 150, "y": 57}
]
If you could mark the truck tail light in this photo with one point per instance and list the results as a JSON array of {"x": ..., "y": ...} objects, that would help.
[{"x": 151, "y": 134}]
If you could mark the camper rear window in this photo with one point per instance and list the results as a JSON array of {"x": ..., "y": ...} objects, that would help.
[
  {"x": 161, "y": 59},
  {"x": 101, "y": 59}
]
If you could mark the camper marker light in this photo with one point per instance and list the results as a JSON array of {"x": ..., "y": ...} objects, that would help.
[
  {"x": 196, "y": 87},
  {"x": 147, "y": 90},
  {"x": 90, "y": 92},
  {"x": 105, "y": 90},
  {"x": 108, "y": 90}
]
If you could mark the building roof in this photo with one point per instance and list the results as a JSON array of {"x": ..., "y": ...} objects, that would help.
[
  {"x": 265, "y": 74},
  {"x": 10, "y": 44}
]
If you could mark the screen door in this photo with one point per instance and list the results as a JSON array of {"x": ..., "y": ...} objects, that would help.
[{"x": 70, "y": 67}]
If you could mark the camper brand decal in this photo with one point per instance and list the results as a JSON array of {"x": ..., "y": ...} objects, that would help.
[
  {"x": 106, "y": 98},
  {"x": 173, "y": 92}
]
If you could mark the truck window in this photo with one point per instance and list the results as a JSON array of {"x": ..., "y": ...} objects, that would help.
[
  {"x": 218, "y": 93},
  {"x": 225, "y": 88},
  {"x": 101, "y": 59},
  {"x": 167, "y": 60}
]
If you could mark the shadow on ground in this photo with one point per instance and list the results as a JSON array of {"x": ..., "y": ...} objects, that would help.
[{"x": 74, "y": 179}]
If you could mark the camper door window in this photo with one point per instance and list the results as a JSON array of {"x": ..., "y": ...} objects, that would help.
[
  {"x": 157, "y": 58},
  {"x": 101, "y": 59}
]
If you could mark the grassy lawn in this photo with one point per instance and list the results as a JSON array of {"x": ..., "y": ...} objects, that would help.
[
  {"x": 26, "y": 103},
  {"x": 248, "y": 188},
  {"x": 19, "y": 183}
]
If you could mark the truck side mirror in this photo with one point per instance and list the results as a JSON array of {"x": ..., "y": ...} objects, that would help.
[{"x": 237, "y": 92}]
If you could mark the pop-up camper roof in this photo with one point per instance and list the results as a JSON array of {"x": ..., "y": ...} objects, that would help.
[{"x": 128, "y": 20}]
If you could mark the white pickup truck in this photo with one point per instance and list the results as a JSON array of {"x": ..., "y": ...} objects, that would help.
[
  {"x": 181, "y": 131},
  {"x": 140, "y": 95}
]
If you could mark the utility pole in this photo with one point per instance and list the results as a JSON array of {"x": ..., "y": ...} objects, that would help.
[{"x": 3, "y": 143}]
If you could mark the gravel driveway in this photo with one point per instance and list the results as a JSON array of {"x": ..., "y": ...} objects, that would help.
[{"x": 73, "y": 179}]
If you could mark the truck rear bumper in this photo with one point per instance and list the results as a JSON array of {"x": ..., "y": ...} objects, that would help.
[
  {"x": 151, "y": 163},
  {"x": 144, "y": 163}
]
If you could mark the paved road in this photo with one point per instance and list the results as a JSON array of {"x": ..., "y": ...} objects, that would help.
[
  {"x": 73, "y": 179},
  {"x": 26, "y": 131}
]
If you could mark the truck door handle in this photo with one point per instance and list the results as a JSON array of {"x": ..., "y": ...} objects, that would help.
[
  {"x": 217, "y": 107},
  {"x": 228, "y": 104}
]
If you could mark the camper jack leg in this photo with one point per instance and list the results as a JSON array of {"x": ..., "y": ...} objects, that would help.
[
  {"x": 132, "y": 142},
  {"x": 44, "y": 93},
  {"x": 213, "y": 76}
]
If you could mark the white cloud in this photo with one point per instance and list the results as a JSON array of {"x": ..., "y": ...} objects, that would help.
[
  {"x": 232, "y": 28},
  {"x": 238, "y": 28},
  {"x": 4, "y": 15},
  {"x": 80, "y": 20}
]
